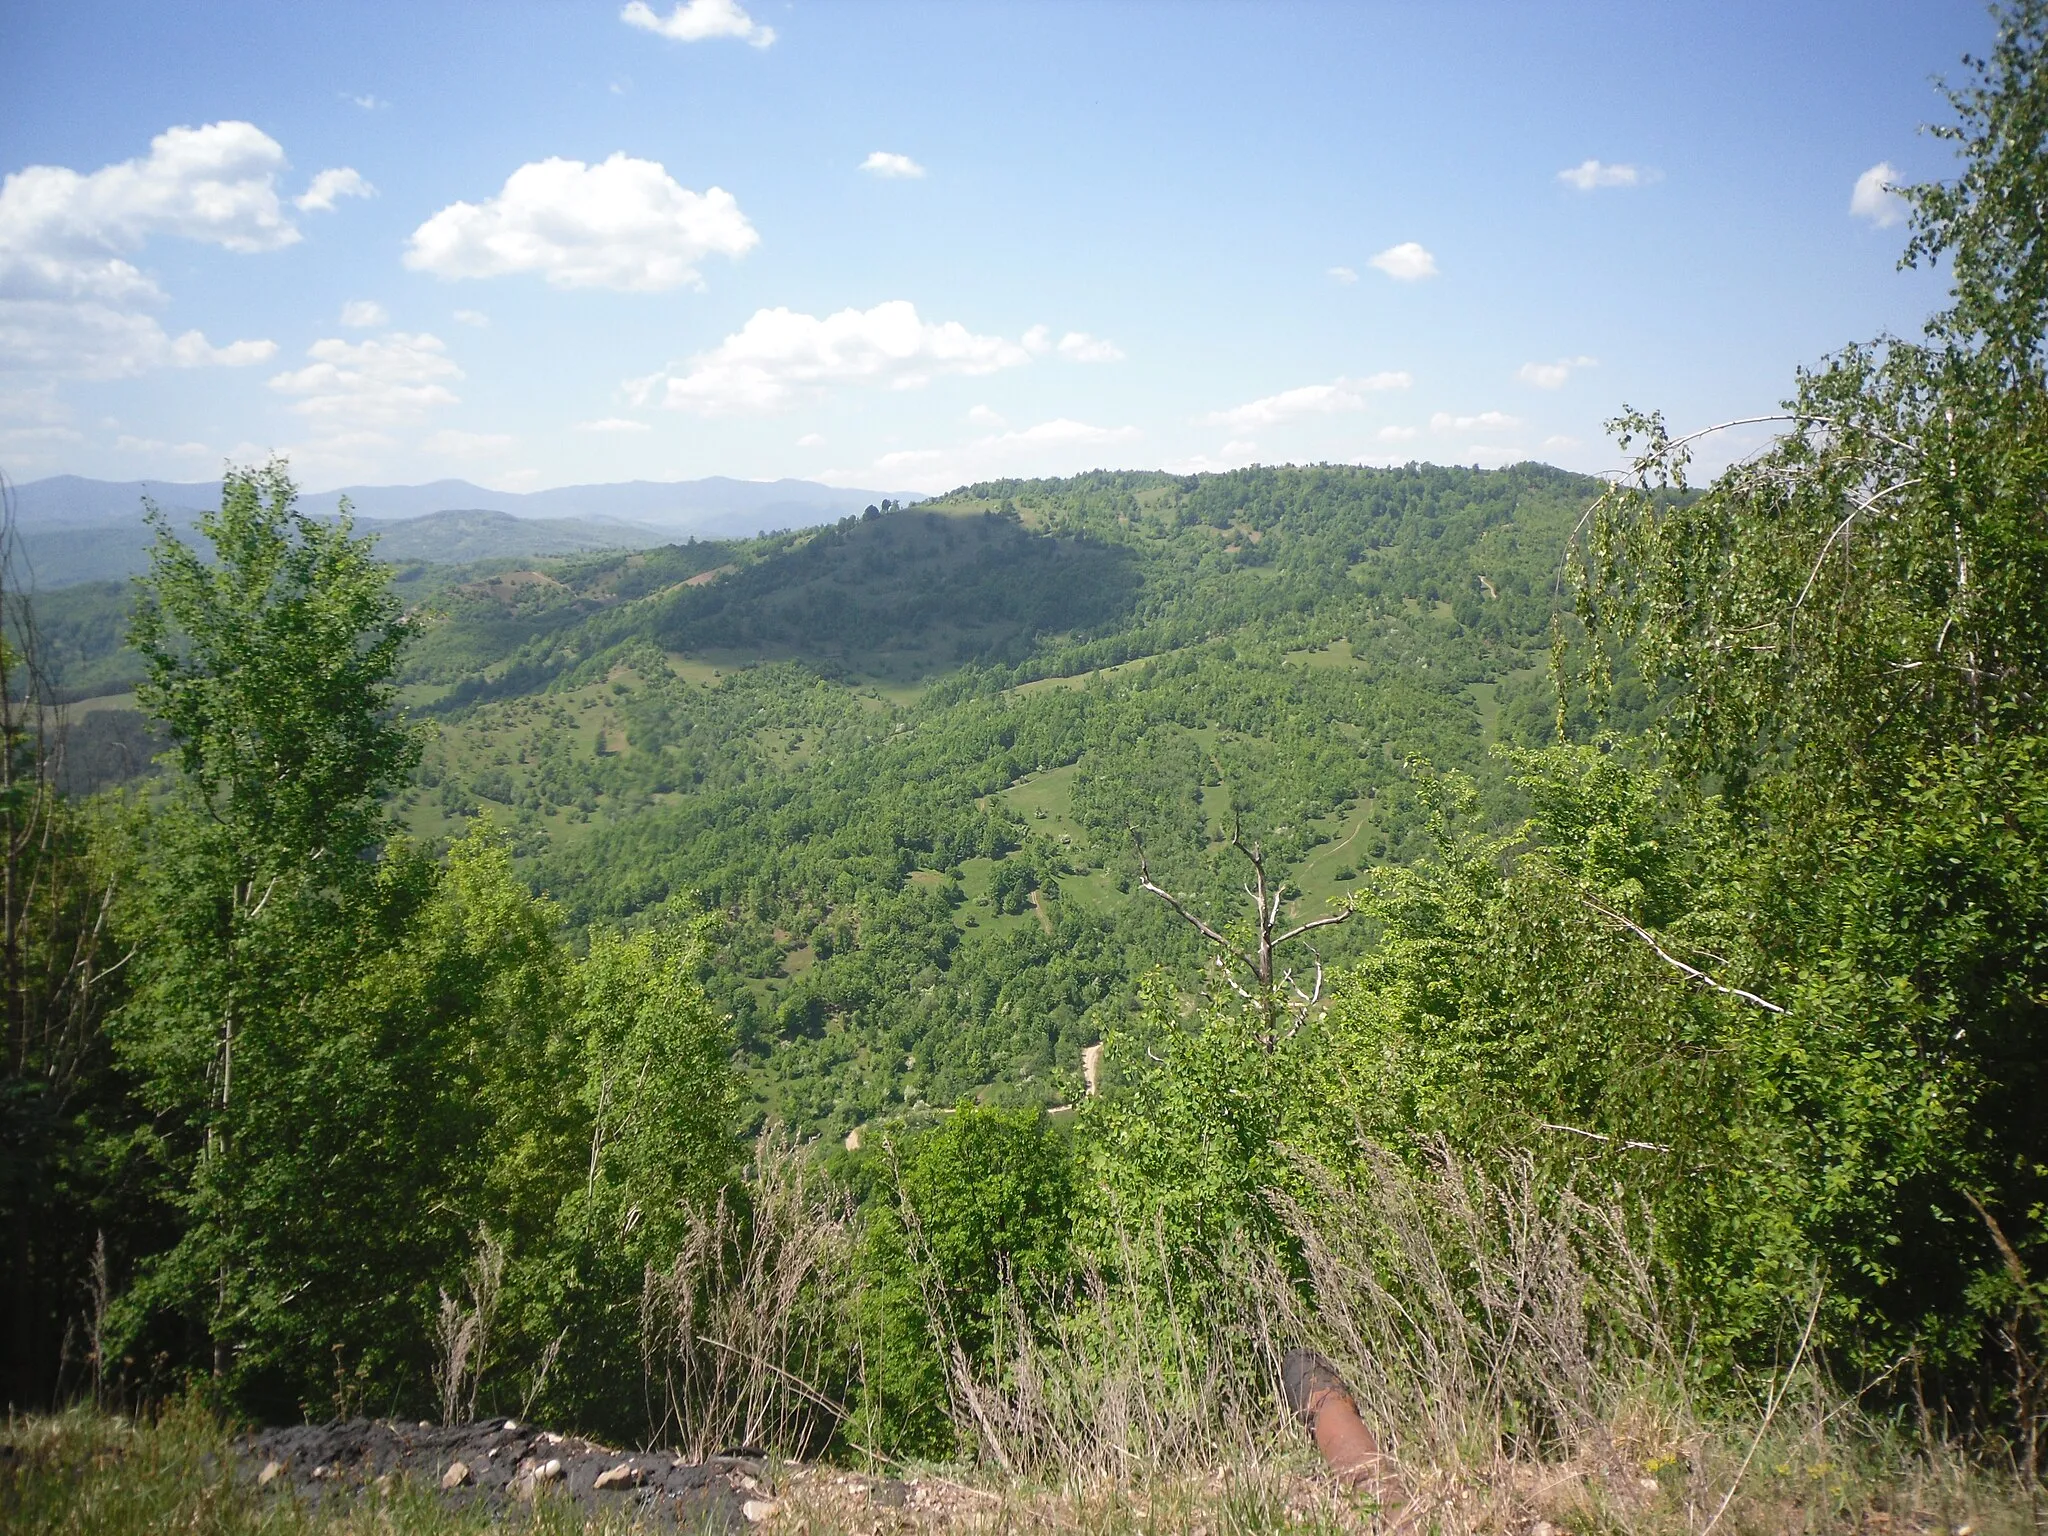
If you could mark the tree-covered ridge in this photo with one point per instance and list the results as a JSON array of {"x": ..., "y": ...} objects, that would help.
[{"x": 927, "y": 892}]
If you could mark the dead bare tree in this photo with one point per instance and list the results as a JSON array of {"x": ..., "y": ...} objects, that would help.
[{"x": 1274, "y": 995}]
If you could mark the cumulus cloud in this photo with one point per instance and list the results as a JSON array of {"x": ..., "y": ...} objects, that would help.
[
  {"x": 811, "y": 440},
  {"x": 1398, "y": 434},
  {"x": 983, "y": 416},
  {"x": 156, "y": 447},
  {"x": 623, "y": 223},
  {"x": 364, "y": 315},
  {"x": 1407, "y": 262},
  {"x": 1309, "y": 400},
  {"x": 1553, "y": 375},
  {"x": 1344, "y": 274},
  {"x": 1444, "y": 421},
  {"x": 780, "y": 356},
  {"x": 356, "y": 387},
  {"x": 103, "y": 341},
  {"x": 1592, "y": 175},
  {"x": 694, "y": 21},
  {"x": 1874, "y": 199},
  {"x": 613, "y": 424},
  {"x": 67, "y": 236},
  {"x": 1080, "y": 347},
  {"x": 342, "y": 181},
  {"x": 1059, "y": 446},
  {"x": 1235, "y": 454},
  {"x": 71, "y": 300},
  {"x": 475, "y": 317},
  {"x": 891, "y": 167}
]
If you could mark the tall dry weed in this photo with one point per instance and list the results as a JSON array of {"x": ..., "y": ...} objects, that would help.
[
  {"x": 463, "y": 1333},
  {"x": 1120, "y": 1383},
  {"x": 1476, "y": 1311},
  {"x": 742, "y": 1331}
]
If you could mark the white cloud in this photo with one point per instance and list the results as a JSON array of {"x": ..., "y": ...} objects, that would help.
[
  {"x": 811, "y": 440},
  {"x": 364, "y": 315},
  {"x": 1080, "y": 347},
  {"x": 1874, "y": 199},
  {"x": 34, "y": 437},
  {"x": 342, "y": 181},
  {"x": 1444, "y": 421},
  {"x": 1591, "y": 175},
  {"x": 71, "y": 300},
  {"x": 1560, "y": 441},
  {"x": 1309, "y": 400},
  {"x": 1344, "y": 274},
  {"x": 102, "y": 341},
  {"x": 982, "y": 416},
  {"x": 1407, "y": 262},
  {"x": 1398, "y": 434},
  {"x": 449, "y": 443},
  {"x": 1232, "y": 455},
  {"x": 891, "y": 167},
  {"x": 623, "y": 224},
  {"x": 369, "y": 386},
  {"x": 156, "y": 448},
  {"x": 367, "y": 103},
  {"x": 475, "y": 317},
  {"x": 1051, "y": 447},
  {"x": 613, "y": 424},
  {"x": 693, "y": 21},
  {"x": 1038, "y": 339},
  {"x": 780, "y": 356},
  {"x": 66, "y": 236},
  {"x": 1553, "y": 375}
]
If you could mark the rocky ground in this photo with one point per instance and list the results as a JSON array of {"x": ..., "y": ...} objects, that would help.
[{"x": 500, "y": 1464}]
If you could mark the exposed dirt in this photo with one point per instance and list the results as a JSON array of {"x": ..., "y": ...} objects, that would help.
[{"x": 501, "y": 1464}]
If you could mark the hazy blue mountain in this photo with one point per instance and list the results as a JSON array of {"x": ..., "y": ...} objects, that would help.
[
  {"x": 456, "y": 537},
  {"x": 712, "y": 508},
  {"x": 61, "y": 556}
]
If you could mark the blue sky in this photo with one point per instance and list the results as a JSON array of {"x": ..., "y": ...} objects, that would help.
[{"x": 906, "y": 246}]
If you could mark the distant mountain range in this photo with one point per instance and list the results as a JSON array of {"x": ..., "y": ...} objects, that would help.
[
  {"x": 73, "y": 529},
  {"x": 712, "y": 508}
]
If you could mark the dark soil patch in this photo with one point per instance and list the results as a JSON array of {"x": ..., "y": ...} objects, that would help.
[{"x": 501, "y": 1465}]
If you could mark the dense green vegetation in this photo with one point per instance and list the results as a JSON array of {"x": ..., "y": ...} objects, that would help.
[{"x": 1689, "y": 841}]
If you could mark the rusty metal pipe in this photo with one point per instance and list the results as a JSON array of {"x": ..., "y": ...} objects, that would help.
[{"x": 1319, "y": 1398}]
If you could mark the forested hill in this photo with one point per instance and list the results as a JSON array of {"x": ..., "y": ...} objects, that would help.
[{"x": 902, "y": 758}]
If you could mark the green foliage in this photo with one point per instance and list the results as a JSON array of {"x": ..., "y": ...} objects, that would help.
[
  {"x": 1853, "y": 629},
  {"x": 1184, "y": 1150},
  {"x": 270, "y": 667},
  {"x": 965, "y": 1219}
]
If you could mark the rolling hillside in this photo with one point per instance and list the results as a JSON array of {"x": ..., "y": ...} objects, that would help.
[{"x": 902, "y": 758}]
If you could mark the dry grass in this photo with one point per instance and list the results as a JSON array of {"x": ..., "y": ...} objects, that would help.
[
  {"x": 739, "y": 1329},
  {"x": 1507, "y": 1340}
]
